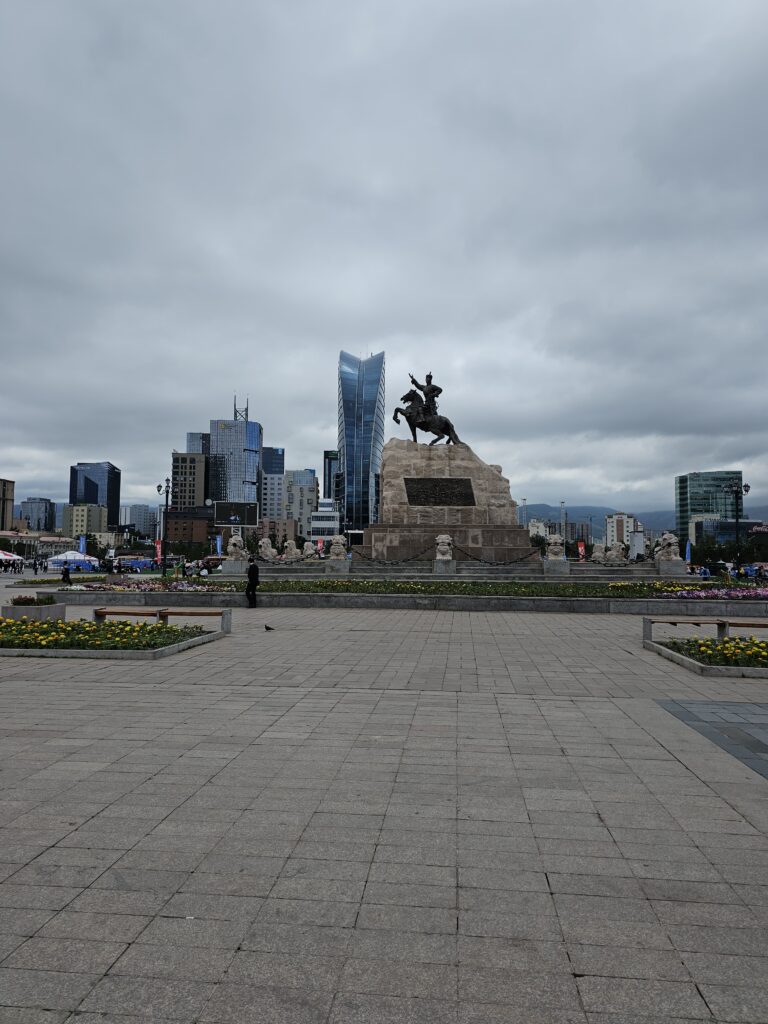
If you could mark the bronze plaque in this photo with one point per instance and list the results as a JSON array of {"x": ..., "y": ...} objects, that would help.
[{"x": 439, "y": 490}]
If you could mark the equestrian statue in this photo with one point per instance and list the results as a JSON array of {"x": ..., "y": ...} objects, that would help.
[{"x": 421, "y": 413}]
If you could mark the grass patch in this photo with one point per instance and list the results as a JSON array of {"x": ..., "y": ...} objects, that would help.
[
  {"x": 118, "y": 635},
  {"x": 742, "y": 651}
]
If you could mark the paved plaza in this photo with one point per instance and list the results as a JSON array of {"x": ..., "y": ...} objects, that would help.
[{"x": 375, "y": 817}]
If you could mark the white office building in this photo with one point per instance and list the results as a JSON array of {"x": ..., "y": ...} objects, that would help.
[
  {"x": 618, "y": 527},
  {"x": 325, "y": 522}
]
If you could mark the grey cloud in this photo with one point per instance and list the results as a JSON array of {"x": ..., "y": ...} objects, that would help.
[{"x": 558, "y": 208}]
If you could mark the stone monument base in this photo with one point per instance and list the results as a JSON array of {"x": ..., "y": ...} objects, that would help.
[
  {"x": 396, "y": 542},
  {"x": 444, "y": 567},
  {"x": 432, "y": 490}
]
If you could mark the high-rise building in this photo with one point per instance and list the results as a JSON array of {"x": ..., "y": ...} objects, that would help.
[
  {"x": 199, "y": 444},
  {"x": 272, "y": 496},
  {"x": 618, "y": 526},
  {"x": 39, "y": 514},
  {"x": 361, "y": 436},
  {"x": 189, "y": 477},
  {"x": 7, "y": 488},
  {"x": 142, "y": 518},
  {"x": 330, "y": 472},
  {"x": 273, "y": 461},
  {"x": 96, "y": 483},
  {"x": 84, "y": 518},
  {"x": 300, "y": 498},
  {"x": 717, "y": 493},
  {"x": 235, "y": 458}
]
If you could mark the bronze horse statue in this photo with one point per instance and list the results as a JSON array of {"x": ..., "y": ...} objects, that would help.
[{"x": 419, "y": 418}]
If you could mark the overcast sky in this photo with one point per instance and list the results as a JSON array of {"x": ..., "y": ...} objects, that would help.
[{"x": 558, "y": 207}]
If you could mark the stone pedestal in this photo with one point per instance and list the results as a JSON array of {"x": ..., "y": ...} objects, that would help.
[
  {"x": 430, "y": 490},
  {"x": 337, "y": 566},
  {"x": 234, "y": 567},
  {"x": 34, "y": 612},
  {"x": 444, "y": 567},
  {"x": 556, "y": 566},
  {"x": 671, "y": 567}
]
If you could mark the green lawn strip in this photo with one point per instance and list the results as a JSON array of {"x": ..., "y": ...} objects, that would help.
[{"x": 118, "y": 635}]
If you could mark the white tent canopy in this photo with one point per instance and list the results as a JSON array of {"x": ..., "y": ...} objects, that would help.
[
  {"x": 7, "y": 556},
  {"x": 73, "y": 556}
]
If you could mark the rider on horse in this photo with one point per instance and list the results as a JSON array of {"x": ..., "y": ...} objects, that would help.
[{"x": 430, "y": 391}]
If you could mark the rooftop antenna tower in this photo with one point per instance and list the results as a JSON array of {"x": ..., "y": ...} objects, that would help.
[{"x": 241, "y": 414}]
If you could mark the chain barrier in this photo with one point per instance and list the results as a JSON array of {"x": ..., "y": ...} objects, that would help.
[
  {"x": 485, "y": 561},
  {"x": 357, "y": 554},
  {"x": 394, "y": 561}
]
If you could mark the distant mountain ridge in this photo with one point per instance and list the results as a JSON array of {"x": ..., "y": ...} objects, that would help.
[{"x": 655, "y": 521}]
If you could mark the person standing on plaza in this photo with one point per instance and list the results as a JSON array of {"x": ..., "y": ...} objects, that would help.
[
  {"x": 253, "y": 582},
  {"x": 66, "y": 579}
]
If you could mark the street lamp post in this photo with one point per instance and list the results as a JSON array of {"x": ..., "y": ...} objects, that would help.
[
  {"x": 737, "y": 490},
  {"x": 164, "y": 550}
]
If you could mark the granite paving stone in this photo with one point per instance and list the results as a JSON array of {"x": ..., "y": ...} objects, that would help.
[
  {"x": 149, "y": 997},
  {"x": 376, "y": 817}
]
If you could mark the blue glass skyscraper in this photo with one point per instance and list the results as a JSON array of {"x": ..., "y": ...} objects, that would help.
[
  {"x": 235, "y": 460},
  {"x": 361, "y": 436}
]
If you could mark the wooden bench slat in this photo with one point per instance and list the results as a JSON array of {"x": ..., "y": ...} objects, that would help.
[
  {"x": 722, "y": 622},
  {"x": 163, "y": 614}
]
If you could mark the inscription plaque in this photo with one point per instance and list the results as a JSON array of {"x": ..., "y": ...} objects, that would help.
[{"x": 439, "y": 490}]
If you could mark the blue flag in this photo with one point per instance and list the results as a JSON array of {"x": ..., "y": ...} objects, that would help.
[
  {"x": 688, "y": 551},
  {"x": 81, "y": 549},
  {"x": 218, "y": 543}
]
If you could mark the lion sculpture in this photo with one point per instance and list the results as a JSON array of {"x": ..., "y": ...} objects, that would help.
[
  {"x": 338, "y": 547},
  {"x": 266, "y": 551},
  {"x": 443, "y": 547},
  {"x": 668, "y": 549},
  {"x": 291, "y": 553},
  {"x": 555, "y": 547},
  {"x": 616, "y": 554},
  {"x": 309, "y": 550},
  {"x": 235, "y": 547}
]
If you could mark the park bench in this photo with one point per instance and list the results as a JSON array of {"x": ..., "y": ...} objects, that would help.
[
  {"x": 723, "y": 623},
  {"x": 163, "y": 614}
]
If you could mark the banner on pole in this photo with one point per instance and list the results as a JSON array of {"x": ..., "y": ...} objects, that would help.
[
  {"x": 81, "y": 548},
  {"x": 158, "y": 551},
  {"x": 219, "y": 543}
]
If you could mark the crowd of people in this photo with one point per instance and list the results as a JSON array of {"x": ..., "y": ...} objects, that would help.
[{"x": 16, "y": 566}]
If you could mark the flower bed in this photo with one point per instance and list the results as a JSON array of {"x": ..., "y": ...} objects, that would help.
[
  {"x": 152, "y": 586},
  {"x": 26, "y": 600},
  {"x": 737, "y": 651},
  {"x": 507, "y": 588},
  {"x": 89, "y": 636}
]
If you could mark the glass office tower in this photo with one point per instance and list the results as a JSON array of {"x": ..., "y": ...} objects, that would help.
[
  {"x": 96, "y": 483},
  {"x": 700, "y": 493},
  {"x": 361, "y": 436},
  {"x": 235, "y": 460},
  {"x": 273, "y": 461}
]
